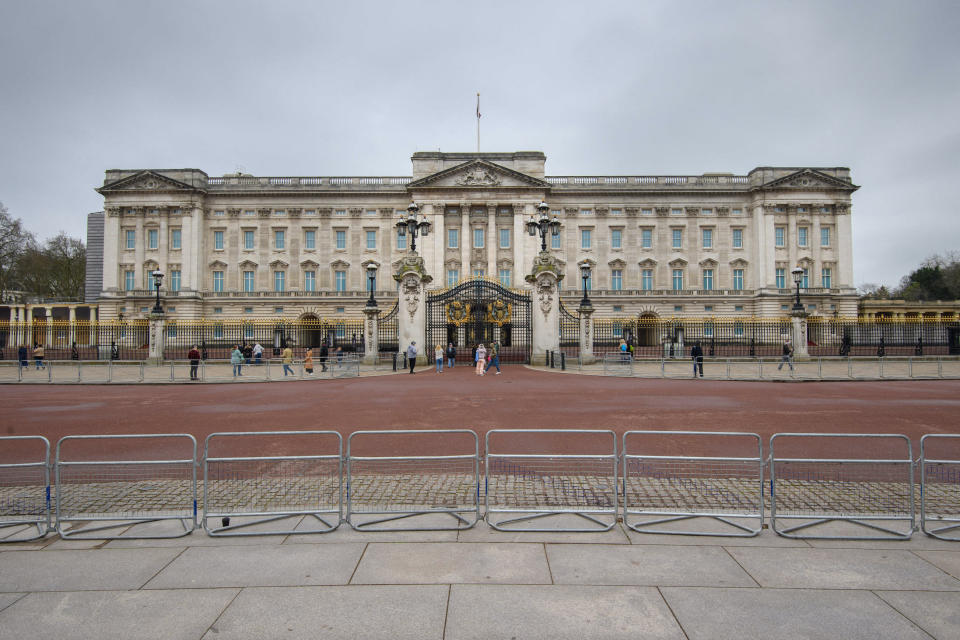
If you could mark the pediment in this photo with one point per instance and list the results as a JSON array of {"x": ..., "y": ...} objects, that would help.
[
  {"x": 218, "y": 264},
  {"x": 617, "y": 263},
  {"x": 649, "y": 262},
  {"x": 478, "y": 173},
  {"x": 248, "y": 264},
  {"x": 146, "y": 181},
  {"x": 279, "y": 264},
  {"x": 709, "y": 263},
  {"x": 308, "y": 264},
  {"x": 807, "y": 179}
]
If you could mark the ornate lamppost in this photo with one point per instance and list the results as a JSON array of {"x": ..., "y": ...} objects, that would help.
[
  {"x": 585, "y": 274},
  {"x": 542, "y": 224},
  {"x": 372, "y": 279},
  {"x": 157, "y": 280},
  {"x": 797, "y": 274},
  {"x": 412, "y": 225}
]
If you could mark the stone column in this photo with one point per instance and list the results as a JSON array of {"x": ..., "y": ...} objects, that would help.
[
  {"x": 48, "y": 339},
  {"x": 371, "y": 339},
  {"x": 466, "y": 240},
  {"x": 545, "y": 276},
  {"x": 72, "y": 327},
  {"x": 412, "y": 312},
  {"x": 492, "y": 241},
  {"x": 799, "y": 321},
  {"x": 156, "y": 334},
  {"x": 586, "y": 334}
]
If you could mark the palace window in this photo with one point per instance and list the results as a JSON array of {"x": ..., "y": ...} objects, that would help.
[
  {"x": 153, "y": 238},
  {"x": 677, "y": 238},
  {"x": 248, "y": 238},
  {"x": 478, "y": 273},
  {"x": 340, "y": 280},
  {"x": 738, "y": 238},
  {"x": 218, "y": 240},
  {"x": 453, "y": 276},
  {"x": 738, "y": 279},
  {"x": 478, "y": 238},
  {"x": 707, "y": 238},
  {"x": 779, "y": 235},
  {"x": 504, "y": 238},
  {"x": 647, "y": 280},
  {"x": 824, "y": 236},
  {"x": 279, "y": 239},
  {"x": 309, "y": 239},
  {"x": 555, "y": 241},
  {"x": 504, "y": 276},
  {"x": 131, "y": 239},
  {"x": 175, "y": 280},
  {"x": 175, "y": 239},
  {"x": 371, "y": 239},
  {"x": 585, "y": 238},
  {"x": 279, "y": 281},
  {"x": 781, "y": 277},
  {"x": 129, "y": 280},
  {"x": 826, "y": 276},
  {"x": 802, "y": 236},
  {"x": 616, "y": 239},
  {"x": 341, "y": 239},
  {"x": 401, "y": 241},
  {"x": 805, "y": 283},
  {"x": 248, "y": 281},
  {"x": 453, "y": 238},
  {"x": 708, "y": 279},
  {"x": 616, "y": 279},
  {"x": 309, "y": 280},
  {"x": 678, "y": 279},
  {"x": 646, "y": 238},
  {"x": 218, "y": 281}
]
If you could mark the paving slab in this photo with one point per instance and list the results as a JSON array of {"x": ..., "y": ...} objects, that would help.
[
  {"x": 81, "y": 570},
  {"x": 484, "y": 533},
  {"x": 918, "y": 542},
  {"x": 260, "y": 566},
  {"x": 765, "y": 538},
  {"x": 163, "y": 615},
  {"x": 936, "y": 612},
  {"x": 786, "y": 614},
  {"x": 949, "y": 561},
  {"x": 369, "y": 612},
  {"x": 645, "y": 565},
  {"x": 842, "y": 569},
  {"x": 447, "y": 563},
  {"x": 565, "y": 612}
]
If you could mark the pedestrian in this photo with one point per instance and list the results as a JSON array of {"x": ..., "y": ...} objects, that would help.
[
  {"x": 114, "y": 351},
  {"x": 194, "y": 357},
  {"x": 787, "y": 355},
  {"x": 624, "y": 352},
  {"x": 74, "y": 352},
  {"x": 451, "y": 355},
  {"x": 287, "y": 357},
  {"x": 22, "y": 355},
  {"x": 324, "y": 352},
  {"x": 308, "y": 361},
  {"x": 236, "y": 359},
  {"x": 38, "y": 357},
  {"x": 438, "y": 357},
  {"x": 481, "y": 358},
  {"x": 412, "y": 354},
  {"x": 494, "y": 359},
  {"x": 696, "y": 353},
  {"x": 257, "y": 353},
  {"x": 339, "y": 356},
  {"x": 247, "y": 353}
]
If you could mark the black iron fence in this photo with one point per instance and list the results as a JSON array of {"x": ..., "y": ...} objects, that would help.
[{"x": 388, "y": 331}]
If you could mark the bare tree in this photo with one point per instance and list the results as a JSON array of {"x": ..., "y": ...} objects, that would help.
[
  {"x": 56, "y": 269},
  {"x": 14, "y": 242}
]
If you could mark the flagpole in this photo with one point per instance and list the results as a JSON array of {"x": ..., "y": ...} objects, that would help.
[{"x": 478, "y": 122}]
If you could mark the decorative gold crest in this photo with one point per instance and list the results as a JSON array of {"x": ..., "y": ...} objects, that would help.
[
  {"x": 499, "y": 313},
  {"x": 457, "y": 313}
]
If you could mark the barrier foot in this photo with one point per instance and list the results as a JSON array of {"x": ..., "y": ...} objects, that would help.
[
  {"x": 857, "y": 522},
  {"x": 42, "y": 530},
  {"x": 498, "y": 526},
  {"x": 366, "y": 526},
  {"x": 219, "y": 531},
  {"x": 80, "y": 534},
  {"x": 640, "y": 527},
  {"x": 936, "y": 533}
]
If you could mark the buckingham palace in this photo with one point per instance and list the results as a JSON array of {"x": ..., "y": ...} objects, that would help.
[{"x": 717, "y": 244}]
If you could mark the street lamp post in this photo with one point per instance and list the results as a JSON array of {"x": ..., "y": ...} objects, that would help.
[
  {"x": 410, "y": 223},
  {"x": 797, "y": 274},
  {"x": 543, "y": 224},
  {"x": 585, "y": 274},
  {"x": 372, "y": 279},
  {"x": 157, "y": 279}
]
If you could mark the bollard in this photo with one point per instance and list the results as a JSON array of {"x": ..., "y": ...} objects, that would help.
[
  {"x": 563, "y": 361},
  {"x": 394, "y": 360}
]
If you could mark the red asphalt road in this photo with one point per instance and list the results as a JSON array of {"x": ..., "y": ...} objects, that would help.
[{"x": 521, "y": 398}]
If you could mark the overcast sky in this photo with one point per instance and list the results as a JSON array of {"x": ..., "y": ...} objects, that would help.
[{"x": 354, "y": 88}]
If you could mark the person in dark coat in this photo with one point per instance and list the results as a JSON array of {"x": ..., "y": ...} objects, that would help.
[
  {"x": 697, "y": 354},
  {"x": 324, "y": 352},
  {"x": 22, "y": 355},
  {"x": 194, "y": 357}
]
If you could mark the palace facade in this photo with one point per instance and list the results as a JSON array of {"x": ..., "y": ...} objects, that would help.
[{"x": 716, "y": 244}]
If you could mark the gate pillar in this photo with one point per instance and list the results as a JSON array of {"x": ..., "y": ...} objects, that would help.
[
  {"x": 372, "y": 339},
  {"x": 412, "y": 314},
  {"x": 544, "y": 277},
  {"x": 586, "y": 334},
  {"x": 155, "y": 333},
  {"x": 799, "y": 321}
]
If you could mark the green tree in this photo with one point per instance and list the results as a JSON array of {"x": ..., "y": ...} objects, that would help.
[
  {"x": 14, "y": 242},
  {"x": 57, "y": 269}
]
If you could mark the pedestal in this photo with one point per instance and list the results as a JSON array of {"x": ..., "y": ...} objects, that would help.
[
  {"x": 156, "y": 336},
  {"x": 412, "y": 312},
  {"x": 371, "y": 332},
  {"x": 586, "y": 333},
  {"x": 798, "y": 321},
  {"x": 544, "y": 277}
]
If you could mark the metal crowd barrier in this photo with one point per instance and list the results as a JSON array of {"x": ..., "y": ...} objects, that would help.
[
  {"x": 858, "y": 493},
  {"x": 521, "y": 487},
  {"x": 940, "y": 486},
  {"x": 24, "y": 489},
  {"x": 104, "y": 493},
  {"x": 250, "y": 491},
  {"x": 664, "y": 490},
  {"x": 420, "y": 487},
  {"x": 617, "y": 365}
]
